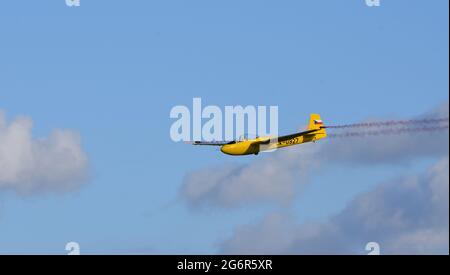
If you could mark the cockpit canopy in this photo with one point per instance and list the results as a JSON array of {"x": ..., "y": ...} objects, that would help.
[{"x": 246, "y": 137}]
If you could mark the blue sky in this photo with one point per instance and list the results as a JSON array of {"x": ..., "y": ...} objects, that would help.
[{"x": 112, "y": 70}]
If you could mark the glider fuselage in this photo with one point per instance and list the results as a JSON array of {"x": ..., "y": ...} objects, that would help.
[
  {"x": 314, "y": 131},
  {"x": 254, "y": 146}
]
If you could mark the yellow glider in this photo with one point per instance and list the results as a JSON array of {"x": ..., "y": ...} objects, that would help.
[{"x": 315, "y": 131}]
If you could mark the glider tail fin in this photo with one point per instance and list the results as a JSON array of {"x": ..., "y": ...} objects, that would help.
[{"x": 316, "y": 123}]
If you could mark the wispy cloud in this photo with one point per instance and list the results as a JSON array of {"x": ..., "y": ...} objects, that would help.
[
  {"x": 407, "y": 215},
  {"x": 269, "y": 179},
  {"x": 29, "y": 165}
]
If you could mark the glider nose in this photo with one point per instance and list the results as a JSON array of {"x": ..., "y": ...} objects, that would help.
[
  {"x": 239, "y": 149},
  {"x": 230, "y": 150},
  {"x": 224, "y": 150}
]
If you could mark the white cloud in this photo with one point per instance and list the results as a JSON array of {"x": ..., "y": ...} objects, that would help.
[
  {"x": 405, "y": 216},
  {"x": 268, "y": 179},
  {"x": 31, "y": 165}
]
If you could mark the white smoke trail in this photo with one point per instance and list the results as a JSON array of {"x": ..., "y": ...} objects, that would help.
[
  {"x": 391, "y": 123},
  {"x": 391, "y": 131}
]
